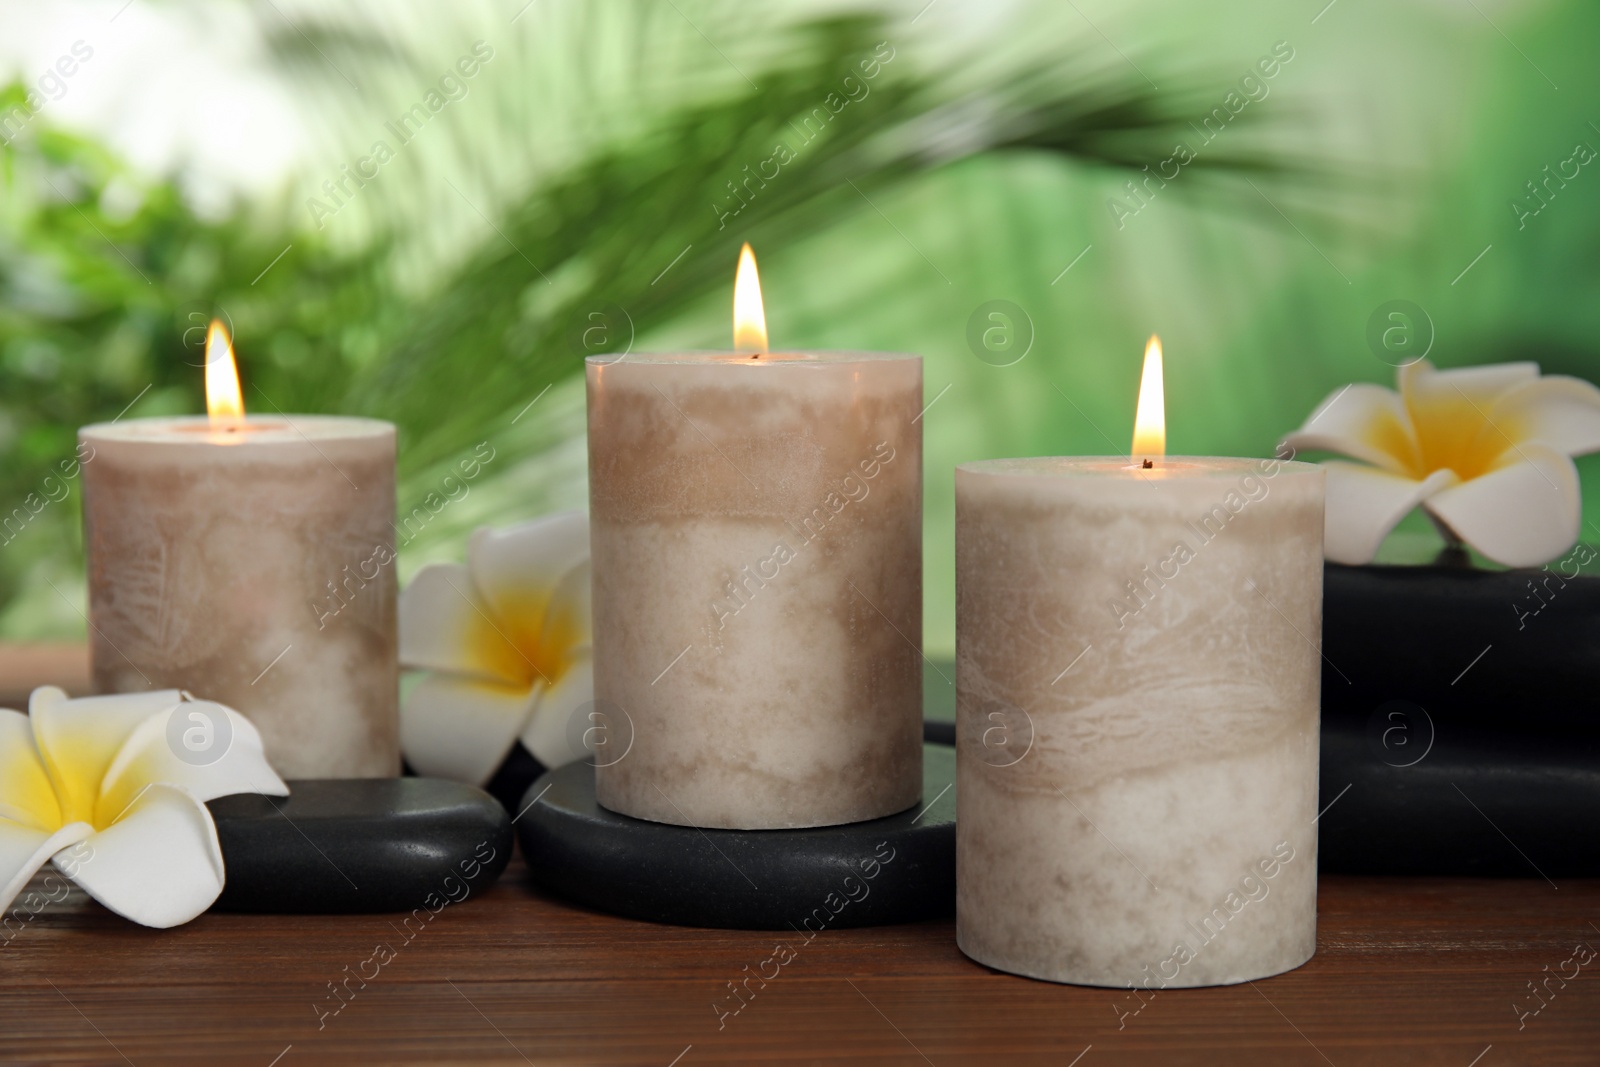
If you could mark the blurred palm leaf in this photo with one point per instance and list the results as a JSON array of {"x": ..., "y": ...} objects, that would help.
[
  {"x": 586, "y": 170},
  {"x": 608, "y": 239}
]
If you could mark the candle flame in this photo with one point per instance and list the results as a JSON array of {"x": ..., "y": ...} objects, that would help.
[
  {"x": 749, "y": 317},
  {"x": 1150, "y": 419},
  {"x": 224, "y": 403}
]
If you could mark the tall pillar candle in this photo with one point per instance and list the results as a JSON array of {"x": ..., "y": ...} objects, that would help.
[
  {"x": 253, "y": 566},
  {"x": 1137, "y": 686},
  {"x": 756, "y": 526}
]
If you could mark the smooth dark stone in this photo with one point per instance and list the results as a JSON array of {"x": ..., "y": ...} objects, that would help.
[
  {"x": 1460, "y": 708},
  {"x": 359, "y": 845},
  {"x": 511, "y": 780},
  {"x": 898, "y": 869}
]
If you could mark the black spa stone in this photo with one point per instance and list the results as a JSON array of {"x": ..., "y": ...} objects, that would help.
[
  {"x": 892, "y": 870},
  {"x": 359, "y": 845},
  {"x": 1461, "y": 707}
]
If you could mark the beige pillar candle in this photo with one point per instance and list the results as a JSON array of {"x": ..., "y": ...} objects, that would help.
[
  {"x": 1137, "y": 727},
  {"x": 1137, "y": 686},
  {"x": 258, "y": 572},
  {"x": 251, "y": 562},
  {"x": 756, "y": 526}
]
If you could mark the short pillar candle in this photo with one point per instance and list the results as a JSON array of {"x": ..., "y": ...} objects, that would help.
[
  {"x": 756, "y": 525},
  {"x": 1137, "y": 686},
  {"x": 252, "y": 565}
]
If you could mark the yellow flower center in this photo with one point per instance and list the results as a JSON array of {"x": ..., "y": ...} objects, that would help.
[
  {"x": 1448, "y": 430},
  {"x": 528, "y": 640},
  {"x": 1453, "y": 432},
  {"x": 29, "y": 798}
]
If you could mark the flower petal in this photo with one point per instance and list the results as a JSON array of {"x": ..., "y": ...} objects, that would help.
[
  {"x": 517, "y": 569},
  {"x": 26, "y": 795},
  {"x": 1559, "y": 411},
  {"x": 1365, "y": 503},
  {"x": 569, "y": 619},
  {"x": 1523, "y": 514},
  {"x": 160, "y": 865},
  {"x": 549, "y": 735},
  {"x": 461, "y": 728},
  {"x": 1366, "y": 422},
  {"x": 1423, "y": 381},
  {"x": 446, "y": 626},
  {"x": 234, "y": 761},
  {"x": 1449, "y": 412},
  {"x": 78, "y": 739},
  {"x": 24, "y": 849},
  {"x": 567, "y": 630}
]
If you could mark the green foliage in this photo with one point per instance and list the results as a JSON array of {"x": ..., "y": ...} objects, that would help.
[
  {"x": 109, "y": 278},
  {"x": 601, "y": 237},
  {"x": 107, "y": 282},
  {"x": 588, "y": 173}
]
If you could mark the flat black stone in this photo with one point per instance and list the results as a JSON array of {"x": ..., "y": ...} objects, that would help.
[
  {"x": 359, "y": 845},
  {"x": 892, "y": 870},
  {"x": 1460, "y": 707}
]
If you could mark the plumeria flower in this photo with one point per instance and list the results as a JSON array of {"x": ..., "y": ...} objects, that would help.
[
  {"x": 98, "y": 786},
  {"x": 505, "y": 640},
  {"x": 1485, "y": 451}
]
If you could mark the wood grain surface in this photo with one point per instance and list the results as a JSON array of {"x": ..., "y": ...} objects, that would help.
[{"x": 1407, "y": 971}]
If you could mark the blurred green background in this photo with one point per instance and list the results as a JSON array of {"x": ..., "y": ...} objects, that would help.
[{"x": 197, "y": 161}]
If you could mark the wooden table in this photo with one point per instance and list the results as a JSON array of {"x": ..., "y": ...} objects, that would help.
[{"x": 1407, "y": 971}]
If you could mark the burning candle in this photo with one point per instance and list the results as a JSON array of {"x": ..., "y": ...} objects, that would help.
[
  {"x": 249, "y": 559},
  {"x": 756, "y": 530},
  {"x": 1137, "y": 677}
]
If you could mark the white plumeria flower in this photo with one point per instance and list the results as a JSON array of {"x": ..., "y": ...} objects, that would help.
[
  {"x": 97, "y": 785},
  {"x": 505, "y": 640},
  {"x": 1485, "y": 451}
]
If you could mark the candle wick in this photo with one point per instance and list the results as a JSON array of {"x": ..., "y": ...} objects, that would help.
[{"x": 1149, "y": 465}]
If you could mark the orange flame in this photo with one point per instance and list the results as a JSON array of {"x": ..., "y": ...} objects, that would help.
[
  {"x": 749, "y": 317},
  {"x": 224, "y": 403},
  {"x": 1150, "y": 419}
]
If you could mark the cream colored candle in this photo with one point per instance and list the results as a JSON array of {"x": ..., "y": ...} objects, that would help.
[
  {"x": 1137, "y": 685},
  {"x": 756, "y": 526},
  {"x": 251, "y": 562},
  {"x": 1137, "y": 677}
]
